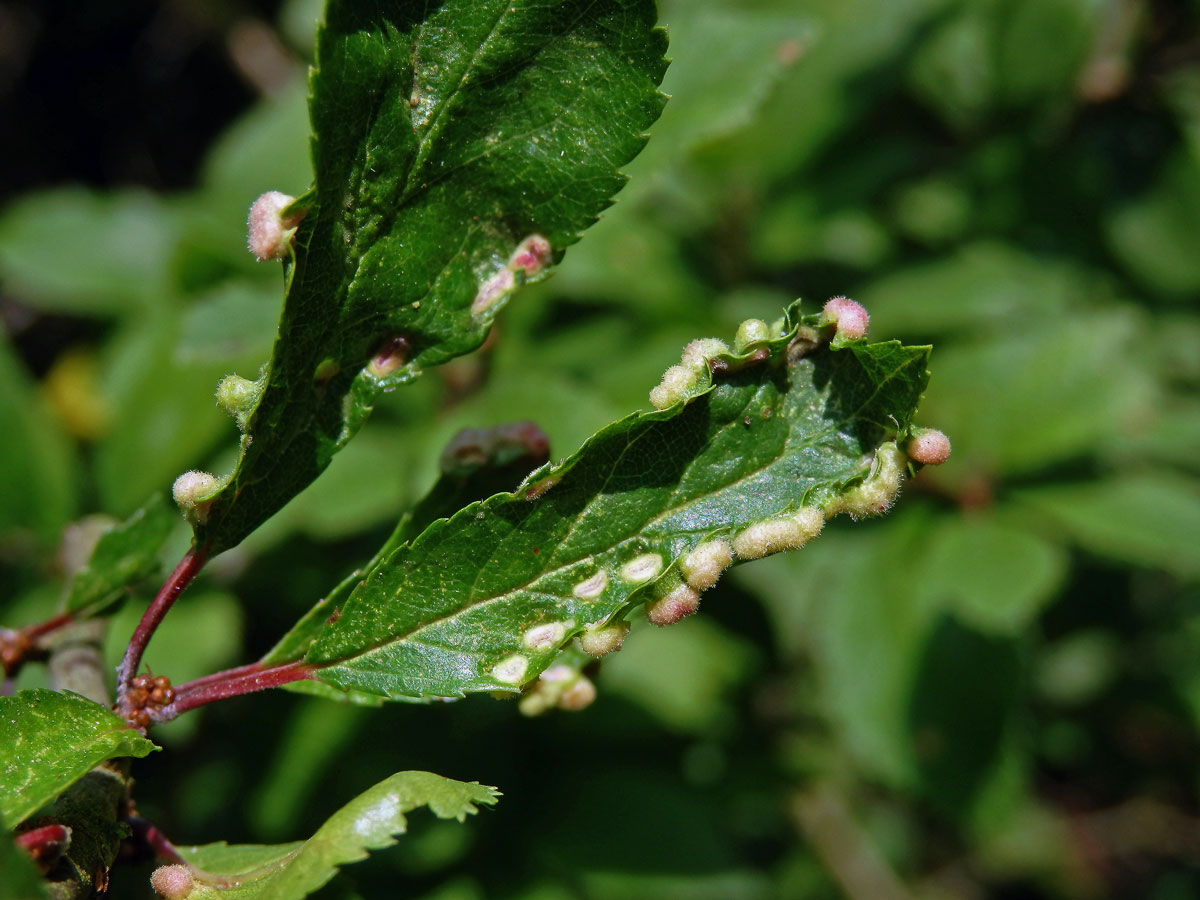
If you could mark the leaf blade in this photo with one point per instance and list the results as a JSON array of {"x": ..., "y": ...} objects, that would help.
[
  {"x": 441, "y": 613},
  {"x": 127, "y": 552},
  {"x": 442, "y": 141},
  {"x": 368, "y": 822},
  {"x": 50, "y": 740}
]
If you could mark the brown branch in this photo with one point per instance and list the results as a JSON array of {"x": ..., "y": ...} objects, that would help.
[{"x": 844, "y": 847}]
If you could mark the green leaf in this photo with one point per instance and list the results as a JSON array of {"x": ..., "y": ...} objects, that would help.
[
  {"x": 1147, "y": 519},
  {"x": 368, "y": 822},
  {"x": 1151, "y": 235},
  {"x": 76, "y": 251},
  {"x": 789, "y": 424},
  {"x": 126, "y": 553},
  {"x": 1021, "y": 401},
  {"x": 444, "y": 136},
  {"x": 966, "y": 692},
  {"x": 970, "y": 570},
  {"x": 724, "y": 63},
  {"x": 19, "y": 877},
  {"x": 685, "y": 677},
  {"x": 477, "y": 463},
  {"x": 36, "y": 457},
  {"x": 50, "y": 741}
]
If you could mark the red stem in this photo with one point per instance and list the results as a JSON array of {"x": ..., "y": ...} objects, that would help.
[
  {"x": 36, "y": 838},
  {"x": 225, "y": 675},
  {"x": 146, "y": 832},
  {"x": 33, "y": 632},
  {"x": 17, "y": 647},
  {"x": 191, "y": 564},
  {"x": 232, "y": 683},
  {"x": 45, "y": 845}
]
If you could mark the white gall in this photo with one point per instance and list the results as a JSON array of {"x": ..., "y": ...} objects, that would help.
[
  {"x": 642, "y": 568},
  {"x": 697, "y": 354},
  {"x": 749, "y": 333},
  {"x": 580, "y": 695},
  {"x": 190, "y": 487},
  {"x": 591, "y": 587},
  {"x": 602, "y": 640},
  {"x": 492, "y": 291},
  {"x": 878, "y": 491},
  {"x": 511, "y": 669},
  {"x": 675, "y": 384},
  {"x": 532, "y": 255},
  {"x": 544, "y": 637},
  {"x": 703, "y": 566},
  {"x": 776, "y": 535}
]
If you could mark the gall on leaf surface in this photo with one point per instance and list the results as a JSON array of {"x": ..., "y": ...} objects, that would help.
[
  {"x": 368, "y": 822},
  {"x": 444, "y": 136},
  {"x": 790, "y": 427}
]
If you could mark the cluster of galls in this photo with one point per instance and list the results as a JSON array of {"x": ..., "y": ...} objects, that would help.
[
  {"x": 148, "y": 694},
  {"x": 842, "y": 320},
  {"x": 676, "y": 595},
  {"x": 530, "y": 258},
  {"x": 559, "y": 687}
]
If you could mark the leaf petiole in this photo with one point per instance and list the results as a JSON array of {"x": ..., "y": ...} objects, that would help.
[
  {"x": 189, "y": 567},
  {"x": 230, "y": 683}
]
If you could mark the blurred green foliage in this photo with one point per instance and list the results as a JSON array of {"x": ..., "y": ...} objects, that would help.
[{"x": 995, "y": 691}]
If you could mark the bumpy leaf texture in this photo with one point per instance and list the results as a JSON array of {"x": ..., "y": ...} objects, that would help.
[
  {"x": 445, "y": 135},
  {"x": 790, "y": 429}
]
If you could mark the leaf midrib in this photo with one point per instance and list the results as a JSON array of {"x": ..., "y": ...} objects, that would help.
[{"x": 530, "y": 585}]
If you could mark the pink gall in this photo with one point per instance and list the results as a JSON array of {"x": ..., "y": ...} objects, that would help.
[
  {"x": 172, "y": 882},
  {"x": 928, "y": 446},
  {"x": 532, "y": 255},
  {"x": 850, "y": 318},
  {"x": 269, "y": 230},
  {"x": 674, "y": 607}
]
